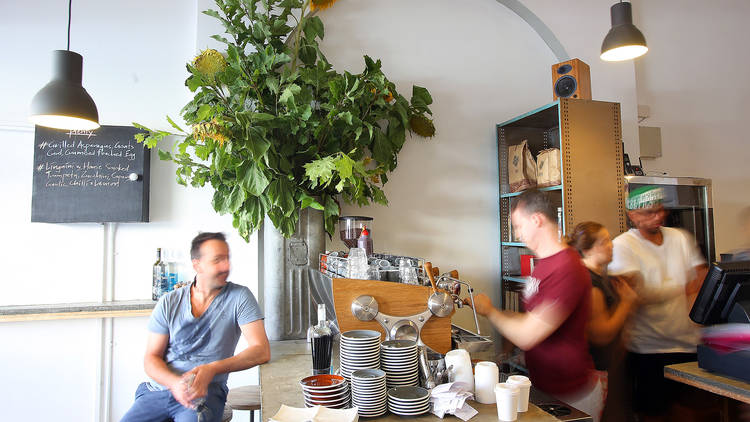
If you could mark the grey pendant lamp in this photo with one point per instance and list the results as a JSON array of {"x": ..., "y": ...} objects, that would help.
[
  {"x": 624, "y": 41},
  {"x": 63, "y": 103}
]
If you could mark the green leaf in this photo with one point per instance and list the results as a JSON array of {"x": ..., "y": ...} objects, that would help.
[
  {"x": 381, "y": 149},
  {"x": 204, "y": 112},
  {"x": 306, "y": 200},
  {"x": 165, "y": 155},
  {"x": 314, "y": 28},
  {"x": 320, "y": 172},
  {"x": 174, "y": 125},
  {"x": 220, "y": 39},
  {"x": 420, "y": 97},
  {"x": 344, "y": 166},
  {"x": 289, "y": 93},
  {"x": 235, "y": 199},
  {"x": 331, "y": 208},
  {"x": 347, "y": 117},
  {"x": 194, "y": 82},
  {"x": 272, "y": 84},
  {"x": 219, "y": 202},
  {"x": 253, "y": 180}
]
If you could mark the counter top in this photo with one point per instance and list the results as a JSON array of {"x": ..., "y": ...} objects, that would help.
[
  {"x": 689, "y": 373},
  {"x": 122, "y": 308},
  {"x": 290, "y": 362}
]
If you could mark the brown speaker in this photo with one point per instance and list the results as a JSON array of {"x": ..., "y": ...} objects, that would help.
[{"x": 571, "y": 79}]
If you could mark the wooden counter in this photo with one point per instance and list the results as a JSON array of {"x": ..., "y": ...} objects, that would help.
[
  {"x": 689, "y": 373},
  {"x": 290, "y": 362},
  {"x": 123, "y": 308}
]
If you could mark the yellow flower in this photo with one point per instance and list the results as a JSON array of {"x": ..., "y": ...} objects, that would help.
[
  {"x": 210, "y": 130},
  {"x": 210, "y": 62},
  {"x": 321, "y": 4}
]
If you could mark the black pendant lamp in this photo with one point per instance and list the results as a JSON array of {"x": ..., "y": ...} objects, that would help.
[
  {"x": 63, "y": 103},
  {"x": 624, "y": 41}
]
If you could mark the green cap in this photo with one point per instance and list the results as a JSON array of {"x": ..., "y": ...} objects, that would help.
[{"x": 645, "y": 197}]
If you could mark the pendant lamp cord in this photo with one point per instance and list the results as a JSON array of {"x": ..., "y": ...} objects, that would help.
[{"x": 70, "y": 6}]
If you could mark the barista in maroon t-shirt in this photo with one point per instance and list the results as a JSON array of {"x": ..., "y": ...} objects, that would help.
[{"x": 557, "y": 300}]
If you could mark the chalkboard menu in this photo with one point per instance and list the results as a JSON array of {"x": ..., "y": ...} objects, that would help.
[{"x": 90, "y": 176}]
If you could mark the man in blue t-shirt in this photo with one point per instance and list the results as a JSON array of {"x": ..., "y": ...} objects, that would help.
[{"x": 194, "y": 331}]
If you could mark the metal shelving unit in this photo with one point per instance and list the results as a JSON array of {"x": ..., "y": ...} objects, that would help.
[{"x": 588, "y": 135}]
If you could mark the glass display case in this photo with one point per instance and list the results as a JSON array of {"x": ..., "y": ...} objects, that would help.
[{"x": 689, "y": 206}]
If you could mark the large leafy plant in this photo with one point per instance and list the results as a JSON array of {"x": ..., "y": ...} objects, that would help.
[{"x": 275, "y": 129}]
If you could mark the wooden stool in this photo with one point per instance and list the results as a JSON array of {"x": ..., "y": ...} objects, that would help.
[{"x": 245, "y": 398}]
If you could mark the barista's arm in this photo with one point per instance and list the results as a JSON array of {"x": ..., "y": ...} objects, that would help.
[
  {"x": 651, "y": 295},
  {"x": 525, "y": 330}
]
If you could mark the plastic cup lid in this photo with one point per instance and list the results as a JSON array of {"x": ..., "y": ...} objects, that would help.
[
  {"x": 507, "y": 388},
  {"x": 518, "y": 380}
]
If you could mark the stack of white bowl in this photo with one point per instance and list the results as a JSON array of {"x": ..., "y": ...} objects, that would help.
[
  {"x": 368, "y": 392},
  {"x": 408, "y": 401},
  {"x": 359, "y": 349},
  {"x": 398, "y": 358},
  {"x": 331, "y": 391}
]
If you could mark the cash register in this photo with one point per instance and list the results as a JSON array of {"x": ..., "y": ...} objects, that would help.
[{"x": 724, "y": 297}]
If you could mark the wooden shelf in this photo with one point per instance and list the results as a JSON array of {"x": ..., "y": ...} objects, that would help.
[
  {"x": 125, "y": 308},
  {"x": 548, "y": 188}
]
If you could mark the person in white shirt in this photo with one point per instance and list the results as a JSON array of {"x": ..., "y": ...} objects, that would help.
[{"x": 666, "y": 269}]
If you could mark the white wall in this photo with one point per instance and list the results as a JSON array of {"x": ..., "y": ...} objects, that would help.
[
  {"x": 695, "y": 81},
  {"x": 483, "y": 65},
  {"x": 134, "y": 68}
]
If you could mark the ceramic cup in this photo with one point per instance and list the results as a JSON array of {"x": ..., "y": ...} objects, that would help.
[
  {"x": 524, "y": 385},
  {"x": 486, "y": 375},
  {"x": 506, "y": 396}
]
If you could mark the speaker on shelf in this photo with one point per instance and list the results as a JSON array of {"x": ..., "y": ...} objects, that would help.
[{"x": 571, "y": 79}]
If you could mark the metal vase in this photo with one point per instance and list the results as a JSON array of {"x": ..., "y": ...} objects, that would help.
[{"x": 286, "y": 281}]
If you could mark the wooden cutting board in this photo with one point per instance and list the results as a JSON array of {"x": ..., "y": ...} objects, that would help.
[{"x": 394, "y": 299}]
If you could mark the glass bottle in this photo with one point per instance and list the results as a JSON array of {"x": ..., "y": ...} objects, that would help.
[
  {"x": 159, "y": 280},
  {"x": 365, "y": 241},
  {"x": 321, "y": 343}
]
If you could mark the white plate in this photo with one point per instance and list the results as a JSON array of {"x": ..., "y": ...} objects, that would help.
[
  {"x": 409, "y": 394},
  {"x": 371, "y": 414},
  {"x": 333, "y": 390},
  {"x": 340, "y": 400},
  {"x": 399, "y": 413}
]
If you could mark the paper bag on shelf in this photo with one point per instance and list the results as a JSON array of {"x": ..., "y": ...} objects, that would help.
[
  {"x": 548, "y": 168},
  {"x": 521, "y": 167}
]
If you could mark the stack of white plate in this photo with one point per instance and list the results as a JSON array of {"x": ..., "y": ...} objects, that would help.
[
  {"x": 368, "y": 392},
  {"x": 331, "y": 391},
  {"x": 360, "y": 349},
  {"x": 408, "y": 401},
  {"x": 398, "y": 358}
]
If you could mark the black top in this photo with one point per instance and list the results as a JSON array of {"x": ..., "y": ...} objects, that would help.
[{"x": 602, "y": 355}]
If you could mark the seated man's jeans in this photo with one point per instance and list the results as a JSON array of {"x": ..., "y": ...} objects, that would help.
[{"x": 160, "y": 406}]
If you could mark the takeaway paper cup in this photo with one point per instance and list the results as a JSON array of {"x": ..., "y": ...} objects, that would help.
[
  {"x": 486, "y": 375},
  {"x": 460, "y": 363},
  {"x": 524, "y": 385},
  {"x": 507, "y": 401}
]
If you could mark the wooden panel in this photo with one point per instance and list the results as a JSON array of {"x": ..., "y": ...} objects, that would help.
[
  {"x": 393, "y": 299},
  {"x": 592, "y": 164}
]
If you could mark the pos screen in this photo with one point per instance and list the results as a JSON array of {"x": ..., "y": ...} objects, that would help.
[{"x": 726, "y": 285}]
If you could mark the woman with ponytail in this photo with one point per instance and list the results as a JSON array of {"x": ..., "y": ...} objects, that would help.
[{"x": 612, "y": 300}]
